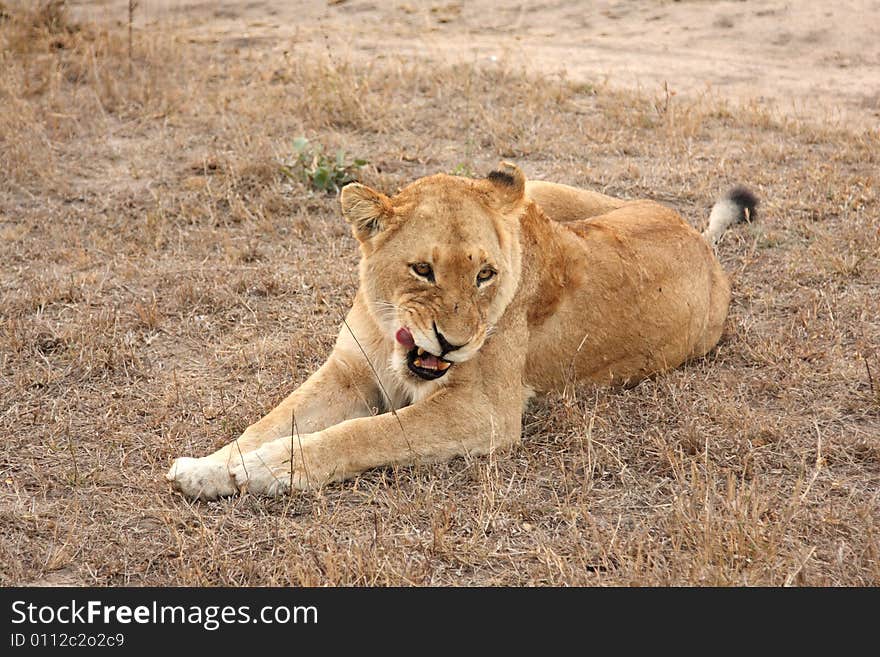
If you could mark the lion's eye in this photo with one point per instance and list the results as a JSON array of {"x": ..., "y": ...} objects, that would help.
[
  {"x": 486, "y": 274},
  {"x": 424, "y": 270}
]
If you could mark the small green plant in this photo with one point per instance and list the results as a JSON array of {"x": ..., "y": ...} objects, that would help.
[
  {"x": 325, "y": 173},
  {"x": 464, "y": 170}
]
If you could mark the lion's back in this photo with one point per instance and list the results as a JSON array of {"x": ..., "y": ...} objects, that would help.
[{"x": 642, "y": 293}]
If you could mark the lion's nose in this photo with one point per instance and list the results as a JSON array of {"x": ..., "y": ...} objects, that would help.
[{"x": 445, "y": 345}]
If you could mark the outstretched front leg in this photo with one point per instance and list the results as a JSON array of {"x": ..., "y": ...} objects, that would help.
[
  {"x": 478, "y": 411},
  {"x": 449, "y": 423},
  {"x": 343, "y": 388}
]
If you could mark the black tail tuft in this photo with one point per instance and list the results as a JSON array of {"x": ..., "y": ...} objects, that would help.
[{"x": 747, "y": 202}]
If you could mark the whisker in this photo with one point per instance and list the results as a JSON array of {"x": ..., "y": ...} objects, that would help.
[
  {"x": 386, "y": 304},
  {"x": 386, "y": 311}
]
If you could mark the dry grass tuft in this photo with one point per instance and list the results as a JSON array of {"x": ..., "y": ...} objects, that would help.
[{"x": 164, "y": 285}]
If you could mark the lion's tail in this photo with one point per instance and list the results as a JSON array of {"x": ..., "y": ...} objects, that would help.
[{"x": 737, "y": 205}]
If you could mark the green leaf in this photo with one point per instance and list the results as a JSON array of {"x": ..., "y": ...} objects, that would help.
[
  {"x": 321, "y": 178},
  {"x": 299, "y": 144},
  {"x": 359, "y": 163}
]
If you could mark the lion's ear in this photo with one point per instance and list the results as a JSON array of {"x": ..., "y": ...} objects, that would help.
[
  {"x": 367, "y": 210},
  {"x": 509, "y": 183}
]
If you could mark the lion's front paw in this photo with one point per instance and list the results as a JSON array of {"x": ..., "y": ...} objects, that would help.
[
  {"x": 203, "y": 478},
  {"x": 261, "y": 472}
]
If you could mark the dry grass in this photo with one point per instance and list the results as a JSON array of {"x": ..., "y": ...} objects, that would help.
[{"x": 163, "y": 285}]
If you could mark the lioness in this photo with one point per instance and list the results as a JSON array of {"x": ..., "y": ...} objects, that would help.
[{"x": 474, "y": 295}]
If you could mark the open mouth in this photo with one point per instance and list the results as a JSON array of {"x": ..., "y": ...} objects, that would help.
[{"x": 426, "y": 365}]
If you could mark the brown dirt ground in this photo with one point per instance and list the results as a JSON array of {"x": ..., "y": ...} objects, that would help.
[
  {"x": 163, "y": 285},
  {"x": 807, "y": 59}
]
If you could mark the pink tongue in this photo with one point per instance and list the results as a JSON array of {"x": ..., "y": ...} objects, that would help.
[
  {"x": 404, "y": 337},
  {"x": 429, "y": 361}
]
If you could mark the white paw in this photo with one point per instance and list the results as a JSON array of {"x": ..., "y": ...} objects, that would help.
[{"x": 203, "y": 478}]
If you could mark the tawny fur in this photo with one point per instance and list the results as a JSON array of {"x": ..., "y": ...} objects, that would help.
[{"x": 588, "y": 288}]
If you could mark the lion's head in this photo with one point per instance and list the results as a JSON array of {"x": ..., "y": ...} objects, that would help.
[{"x": 440, "y": 264}]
